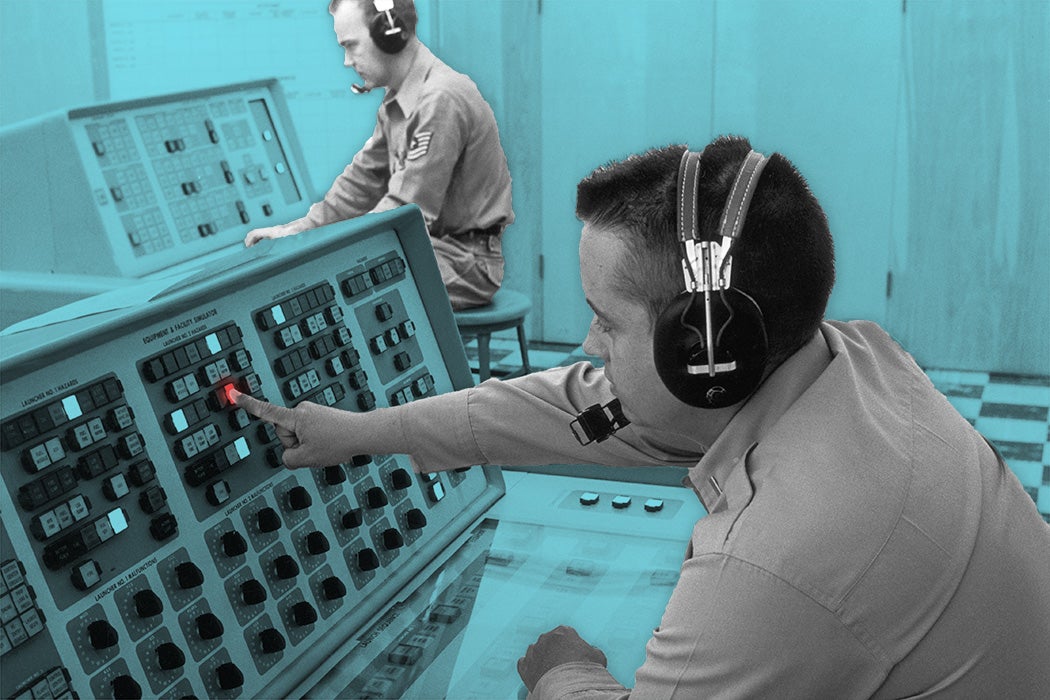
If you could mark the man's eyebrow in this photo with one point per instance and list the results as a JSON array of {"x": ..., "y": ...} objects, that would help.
[{"x": 594, "y": 308}]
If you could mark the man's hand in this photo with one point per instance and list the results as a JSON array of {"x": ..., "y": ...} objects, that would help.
[
  {"x": 312, "y": 435},
  {"x": 561, "y": 645},
  {"x": 280, "y": 231}
]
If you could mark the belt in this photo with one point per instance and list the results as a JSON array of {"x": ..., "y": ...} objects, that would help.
[{"x": 493, "y": 230}]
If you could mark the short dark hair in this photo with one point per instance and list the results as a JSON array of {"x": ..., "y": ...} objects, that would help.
[
  {"x": 784, "y": 257},
  {"x": 405, "y": 9}
]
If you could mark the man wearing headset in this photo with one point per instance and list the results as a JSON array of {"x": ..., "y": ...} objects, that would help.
[
  {"x": 435, "y": 145},
  {"x": 862, "y": 539}
]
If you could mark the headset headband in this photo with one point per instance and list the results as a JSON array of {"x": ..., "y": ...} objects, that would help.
[{"x": 734, "y": 214}]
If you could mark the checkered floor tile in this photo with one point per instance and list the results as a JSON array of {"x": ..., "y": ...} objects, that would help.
[{"x": 1010, "y": 410}]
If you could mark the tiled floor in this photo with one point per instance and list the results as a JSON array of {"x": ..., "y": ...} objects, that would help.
[{"x": 1010, "y": 410}]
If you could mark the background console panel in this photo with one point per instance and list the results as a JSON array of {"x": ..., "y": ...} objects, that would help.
[
  {"x": 153, "y": 544},
  {"x": 124, "y": 189}
]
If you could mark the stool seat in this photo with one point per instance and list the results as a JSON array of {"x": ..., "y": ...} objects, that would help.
[{"x": 507, "y": 309}]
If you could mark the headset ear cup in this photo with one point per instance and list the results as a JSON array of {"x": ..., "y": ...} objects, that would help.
[
  {"x": 388, "y": 43},
  {"x": 680, "y": 349}
]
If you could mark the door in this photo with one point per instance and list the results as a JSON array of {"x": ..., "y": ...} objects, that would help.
[{"x": 970, "y": 277}]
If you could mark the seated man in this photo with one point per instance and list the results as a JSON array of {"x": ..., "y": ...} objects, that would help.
[
  {"x": 863, "y": 540},
  {"x": 435, "y": 145}
]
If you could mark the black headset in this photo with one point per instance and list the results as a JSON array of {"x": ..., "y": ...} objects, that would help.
[
  {"x": 710, "y": 344},
  {"x": 387, "y": 29}
]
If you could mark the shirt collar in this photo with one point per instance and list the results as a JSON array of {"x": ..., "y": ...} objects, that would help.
[
  {"x": 760, "y": 413},
  {"x": 407, "y": 96}
]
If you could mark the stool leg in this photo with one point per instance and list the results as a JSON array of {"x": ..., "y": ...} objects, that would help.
[
  {"x": 524, "y": 349},
  {"x": 483, "y": 356}
]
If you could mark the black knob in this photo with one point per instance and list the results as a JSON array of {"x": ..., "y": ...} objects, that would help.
[
  {"x": 317, "y": 543},
  {"x": 299, "y": 498},
  {"x": 304, "y": 614},
  {"x": 189, "y": 575},
  {"x": 332, "y": 588},
  {"x": 148, "y": 603},
  {"x": 272, "y": 641},
  {"x": 334, "y": 475},
  {"x": 209, "y": 626},
  {"x": 360, "y": 460},
  {"x": 234, "y": 544},
  {"x": 400, "y": 479},
  {"x": 126, "y": 688},
  {"x": 392, "y": 539},
  {"x": 229, "y": 676},
  {"x": 367, "y": 560},
  {"x": 353, "y": 518},
  {"x": 286, "y": 567},
  {"x": 416, "y": 519},
  {"x": 268, "y": 519},
  {"x": 102, "y": 634},
  {"x": 375, "y": 497},
  {"x": 170, "y": 657},
  {"x": 253, "y": 592}
]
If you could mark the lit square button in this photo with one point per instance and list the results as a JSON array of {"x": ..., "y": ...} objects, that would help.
[{"x": 72, "y": 407}]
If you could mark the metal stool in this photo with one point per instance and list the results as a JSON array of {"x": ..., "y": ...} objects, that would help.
[{"x": 507, "y": 310}]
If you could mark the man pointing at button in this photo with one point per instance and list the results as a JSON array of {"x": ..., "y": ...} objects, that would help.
[{"x": 862, "y": 539}]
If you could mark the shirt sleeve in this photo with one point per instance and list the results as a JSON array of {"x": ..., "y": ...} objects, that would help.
[
  {"x": 436, "y": 135},
  {"x": 358, "y": 188},
  {"x": 733, "y": 630},
  {"x": 525, "y": 421}
]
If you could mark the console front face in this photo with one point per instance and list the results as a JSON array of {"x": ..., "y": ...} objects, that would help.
[
  {"x": 152, "y": 538},
  {"x": 176, "y": 177}
]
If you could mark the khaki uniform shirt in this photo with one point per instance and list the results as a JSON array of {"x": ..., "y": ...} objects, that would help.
[
  {"x": 862, "y": 539},
  {"x": 435, "y": 145}
]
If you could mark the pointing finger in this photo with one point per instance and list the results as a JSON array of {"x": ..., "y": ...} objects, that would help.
[{"x": 271, "y": 413}]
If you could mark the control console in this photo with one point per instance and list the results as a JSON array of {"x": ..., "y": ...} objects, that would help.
[{"x": 153, "y": 543}]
